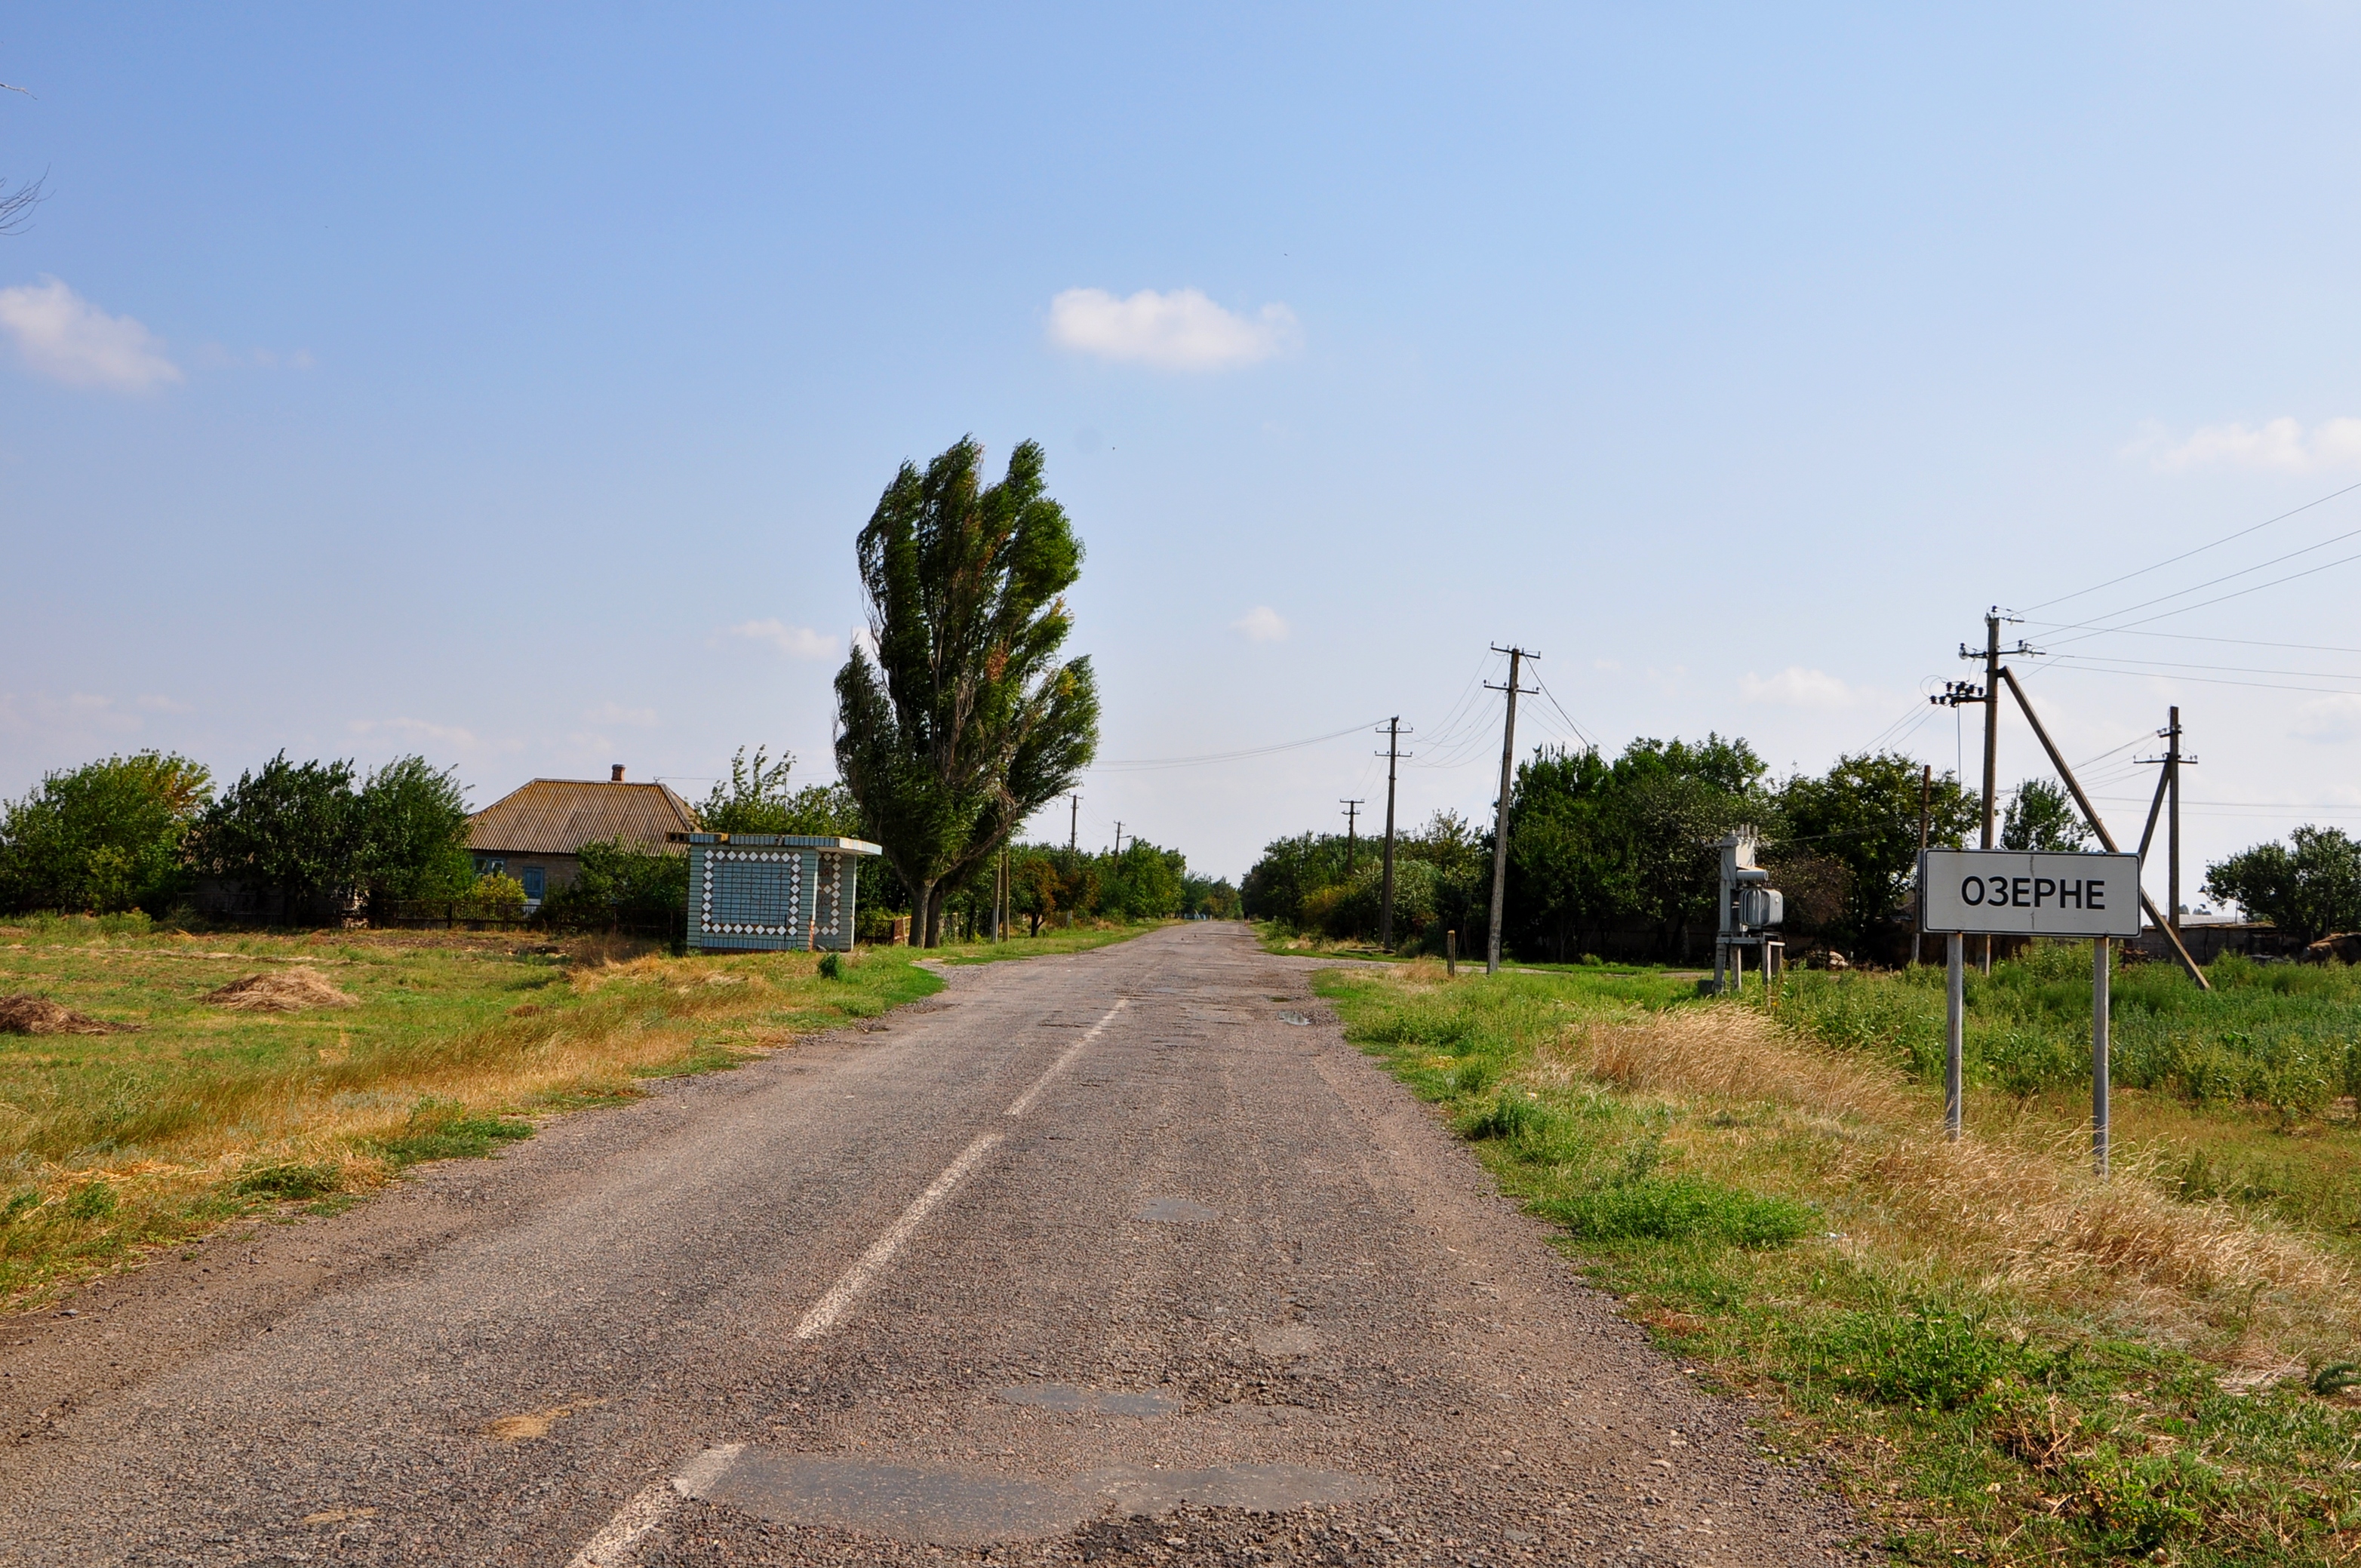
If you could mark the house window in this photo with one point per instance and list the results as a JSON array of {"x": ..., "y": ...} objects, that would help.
[
  {"x": 533, "y": 883},
  {"x": 487, "y": 866}
]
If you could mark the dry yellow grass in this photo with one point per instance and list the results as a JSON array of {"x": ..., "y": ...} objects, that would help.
[
  {"x": 1727, "y": 1053},
  {"x": 112, "y": 1141},
  {"x": 2019, "y": 1213}
]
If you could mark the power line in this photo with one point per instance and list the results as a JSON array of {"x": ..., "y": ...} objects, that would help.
[
  {"x": 1580, "y": 734},
  {"x": 2225, "y": 539},
  {"x": 2232, "y": 669},
  {"x": 1139, "y": 764},
  {"x": 2082, "y": 662},
  {"x": 2224, "y": 598},
  {"x": 2194, "y": 637}
]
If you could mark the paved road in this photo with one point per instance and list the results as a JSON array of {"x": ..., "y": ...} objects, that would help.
[{"x": 1103, "y": 1257}]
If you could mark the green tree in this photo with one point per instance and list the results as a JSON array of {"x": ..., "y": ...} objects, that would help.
[
  {"x": 2309, "y": 887},
  {"x": 1212, "y": 897},
  {"x": 965, "y": 722},
  {"x": 291, "y": 834},
  {"x": 105, "y": 836},
  {"x": 413, "y": 832},
  {"x": 1595, "y": 846},
  {"x": 2044, "y": 816},
  {"x": 757, "y": 799},
  {"x": 1862, "y": 814},
  {"x": 1143, "y": 882}
]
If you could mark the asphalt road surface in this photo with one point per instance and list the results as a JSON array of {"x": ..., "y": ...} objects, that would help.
[{"x": 1125, "y": 1256}]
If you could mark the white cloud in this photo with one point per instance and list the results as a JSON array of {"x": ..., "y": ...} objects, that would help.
[
  {"x": 65, "y": 336},
  {"x": 1180, "y": 331},
  {"x": 1261, "y": 624},
  {"x": 1795, "y": 686},
  {"x": 2281, "y": 443},
  {"x": 616, "y": 713},
  {"x": 795, "y": 641}
]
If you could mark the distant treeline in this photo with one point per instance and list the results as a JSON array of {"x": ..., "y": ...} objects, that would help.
[
  {"x": 311, "y": 841},
  {"x": 1612, "y": 856}
]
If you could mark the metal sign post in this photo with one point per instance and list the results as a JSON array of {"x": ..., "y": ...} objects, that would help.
[
  {"x": 1955, "y": 1030},
  {"x": 2008, "y": 892}
]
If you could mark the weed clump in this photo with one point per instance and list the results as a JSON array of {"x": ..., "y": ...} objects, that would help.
[
  {"x": 1680, "y": 1209},
  {"x": 442, "y": 1129},
  {"x": 291, "y": 1179}
]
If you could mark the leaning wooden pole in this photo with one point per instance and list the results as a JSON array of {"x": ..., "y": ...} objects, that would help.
[{"x": 2091, "y": 815}]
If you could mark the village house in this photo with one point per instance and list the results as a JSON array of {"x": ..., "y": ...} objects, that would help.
[{"x": 535, "y": 834}]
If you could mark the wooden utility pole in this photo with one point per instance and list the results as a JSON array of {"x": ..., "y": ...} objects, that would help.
[
  {"x": 1118, "y": 840},
  {"x": 2167, "y": 794},
  {"x": 1352, "y": 840},
  {"x": 1992, "y": 741},
  {"x": 1516, "y": 656},
  {"x": 1925, "y": 786},
  {"x": 1074, "y": 822},
  {"x": 1394, "y": 755},
  {"x": 2172, "y": 823}
]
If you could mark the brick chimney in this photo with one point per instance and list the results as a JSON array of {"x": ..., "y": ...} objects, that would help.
[{"x": 616, "y": 777}]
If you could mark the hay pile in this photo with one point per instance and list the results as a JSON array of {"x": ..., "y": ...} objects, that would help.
[
  {"x": 280, "y": 990},
  {"x": 31, "y": 1015}
]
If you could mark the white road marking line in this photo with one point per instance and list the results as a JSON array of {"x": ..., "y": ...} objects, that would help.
[
  {"x": 613, "y": 1547},
  {"x": 1025, "y": 1101},
  {"x": 831, "y": 1307}
]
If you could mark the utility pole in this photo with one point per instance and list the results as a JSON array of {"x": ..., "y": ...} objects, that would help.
[
  {"x": 1956, "y": 694},
  {"x": 1074, "y": 822},
  {"x": 2168, "y": 801},
  {"x": 1393, "y": 753},
  {"x": 1351, "y": 839},
  {"x": 1516, "y": 656},
  {"x": 2172, "y": 824},
  {"x": 1118, "y": 840},
  {"x": 1925, "y": 786}
]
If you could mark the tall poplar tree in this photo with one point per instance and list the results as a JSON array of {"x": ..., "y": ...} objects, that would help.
[{"x": 965, "y": 722}]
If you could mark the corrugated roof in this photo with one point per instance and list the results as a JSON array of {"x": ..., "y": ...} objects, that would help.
[{"x": 557, "y": 817}]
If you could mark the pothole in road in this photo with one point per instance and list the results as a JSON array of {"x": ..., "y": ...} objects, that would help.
[
  {"x": 1175, "y": 1211},
  {"x": 962, "y": 1508},
  {"x": 1066, "y": 1399},
  {"x": 1298, "y": 1019},
  {"x": 949, "y": 1508}
]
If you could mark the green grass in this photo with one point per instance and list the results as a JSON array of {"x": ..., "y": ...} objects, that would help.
[
  {"x": 111, "y": 1144},
  {"x": 1973, "y": 1416},
  {"x": 2284, "y": 1036}
]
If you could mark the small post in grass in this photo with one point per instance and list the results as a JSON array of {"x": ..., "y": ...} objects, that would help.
[
  {"x": 1451, "y": 955},
  {"x": 1955, "y": 1030}
]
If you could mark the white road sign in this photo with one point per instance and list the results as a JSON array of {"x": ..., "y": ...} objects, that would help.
[{"x": 2010, "y": 892}]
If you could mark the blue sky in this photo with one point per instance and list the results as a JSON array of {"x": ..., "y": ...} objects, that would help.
[{"x": 511, "y": 389}]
